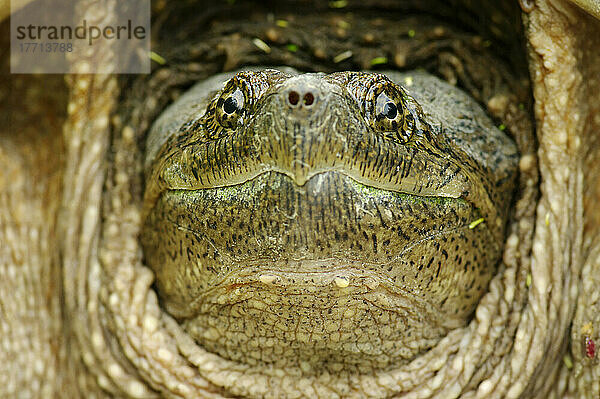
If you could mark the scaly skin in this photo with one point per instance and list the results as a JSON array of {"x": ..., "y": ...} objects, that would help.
[
  {"x": 325, "y": 236},
  {"x": 78, "y": 312}
]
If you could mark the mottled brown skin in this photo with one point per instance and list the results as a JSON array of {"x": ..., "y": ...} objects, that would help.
[
  {"x": 79, "y": 317},
  {"x": 328, "y": 222}
]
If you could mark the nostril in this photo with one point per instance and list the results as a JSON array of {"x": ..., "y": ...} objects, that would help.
[
  {"x": 308, "y": 99},
  {"x": 293, "y": 97}
]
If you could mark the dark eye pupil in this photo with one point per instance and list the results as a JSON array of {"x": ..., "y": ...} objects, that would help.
[
  {"x": 390, "y": 110},
  {"x": 230, "y": 105}
]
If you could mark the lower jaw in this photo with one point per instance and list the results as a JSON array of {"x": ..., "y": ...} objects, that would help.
[
  {"x": 198, "y": 238},
  {"x": 360, "y": 327},
  {"x": 283, "y": 301}
]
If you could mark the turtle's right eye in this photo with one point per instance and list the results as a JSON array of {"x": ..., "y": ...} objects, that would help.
[
  {"x": 226, "y": 112},
  {"x": 232, "y": 104},
  {"x": 230, "y": 109}
]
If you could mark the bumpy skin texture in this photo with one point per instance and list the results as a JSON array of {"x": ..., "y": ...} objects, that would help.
[
  {"x": 78, "y": 311},
  {"x": 328, "y": 222}
]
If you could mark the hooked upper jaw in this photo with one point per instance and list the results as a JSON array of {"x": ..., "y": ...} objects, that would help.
[{"x": 301, "y": 141}]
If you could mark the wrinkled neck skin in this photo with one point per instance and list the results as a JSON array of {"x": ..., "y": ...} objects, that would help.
[{"x": 80, "y": 312}]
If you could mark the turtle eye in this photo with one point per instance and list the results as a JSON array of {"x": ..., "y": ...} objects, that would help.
[
  {"x": 230, "y": 108},
  {"x": 385, "y": 107},
  {"x": 388, "y": 111},
  {"x": 233, "y": 106},
  {"x": 234, "y": 103}
]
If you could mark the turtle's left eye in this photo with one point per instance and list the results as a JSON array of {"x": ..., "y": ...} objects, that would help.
[
  {"x": 386, "y": 106},
  {"x": 388, "y": 110}
]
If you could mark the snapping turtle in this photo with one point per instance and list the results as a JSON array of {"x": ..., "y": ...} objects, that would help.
[
  {"x": 80, "y": 312},
  {"x": 333, "y": 224}
]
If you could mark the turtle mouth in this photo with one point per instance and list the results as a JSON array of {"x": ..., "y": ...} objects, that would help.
[
  {"x": 239, "y": 261},
  {"x": 334, "y": 141}
]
